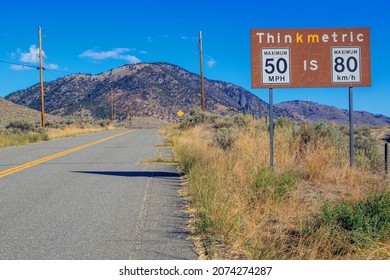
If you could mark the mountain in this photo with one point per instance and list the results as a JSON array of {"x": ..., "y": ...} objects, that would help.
[
  {"x": 157, "y": 90},
  {"x": 311, "y": 111}
]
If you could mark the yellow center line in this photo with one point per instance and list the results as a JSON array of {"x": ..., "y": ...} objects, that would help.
[{"x": 54, "y": 156}]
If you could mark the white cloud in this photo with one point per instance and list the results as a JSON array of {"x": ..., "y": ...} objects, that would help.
[
  {"x": 131, "y": 59},
  {"x": 115, "y": 54},
  {"x": 118, "y": 53},
  {"x": 210, "y": 62},
  {"x": 30, "y": 57},
  {"x": 51, "y": 66},
  {"x": 188, "y": 38},
  {"x": 19, "y": 67},
  {"x": 143, "y": 52}
]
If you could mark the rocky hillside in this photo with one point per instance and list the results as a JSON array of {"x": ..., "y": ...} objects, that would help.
[
  {"x": 311, "y": 111},
  {"x": 157, "y": 90}
]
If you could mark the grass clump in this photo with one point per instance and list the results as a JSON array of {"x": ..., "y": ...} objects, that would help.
[
  {"x": 363, "y": 221},
  {"x": 352, "y": 229},
  {"x": 269, "y": 185},
  {"x": 22, "y": 139},
  {"x": 197, "y": 116},
  {"x": 225, "y": 137}
]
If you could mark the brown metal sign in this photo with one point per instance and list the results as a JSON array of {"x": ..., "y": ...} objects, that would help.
[{"x": 310, "y": 57}]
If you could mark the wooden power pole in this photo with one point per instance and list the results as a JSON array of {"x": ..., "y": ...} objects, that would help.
[
  {"x": 130, "y": 119},
  {"x": 41, "y": 77},
  {"x": 201, "y": 71},
  {"x": 112, "y": 107}
]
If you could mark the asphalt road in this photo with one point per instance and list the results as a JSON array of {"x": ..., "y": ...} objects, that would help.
[{"x": 97, "y": 202}]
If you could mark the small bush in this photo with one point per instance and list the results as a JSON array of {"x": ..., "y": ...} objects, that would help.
[
  {"x": 271, "y": 185},
  {"x": 283, "y": 122},
  {"x": 362, "y": 223},
  {"x": 20, "y": 127},
  {"x": 224, "y": 122},
  {"x": 314, "y": 133},
  {"x": 367, "y": 153},
  {"x": 224, "y": 137},
  {"x": 197, "y": 116}
]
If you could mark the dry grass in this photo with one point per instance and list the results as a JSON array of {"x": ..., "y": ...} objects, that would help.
[
  {"x": 242, "y": 211},
  {"x": 69, "y": 131},
  {"x": 16, "y": 139},
  {"x": 20, "y": 125}
]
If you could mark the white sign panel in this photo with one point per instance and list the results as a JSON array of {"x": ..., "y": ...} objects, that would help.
[
  {"x": 275, "y": 65},
  {"x": 346, "y": 65}
]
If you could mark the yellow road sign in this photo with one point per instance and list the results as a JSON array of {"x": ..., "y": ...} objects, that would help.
[{"x": 180, "y": 113}]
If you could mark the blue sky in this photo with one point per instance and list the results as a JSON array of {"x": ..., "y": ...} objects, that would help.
[{"x": 95, "y": 36}]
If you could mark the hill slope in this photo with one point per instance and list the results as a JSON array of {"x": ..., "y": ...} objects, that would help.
[
  {"x": 311, "y": 111},
  {"x": 11, "y": 112},
  {"x": 157, "y": 90}
]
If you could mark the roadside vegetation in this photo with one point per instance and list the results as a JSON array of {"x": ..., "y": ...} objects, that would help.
[
  {"x": 21, "y": 131},
  {"x": 313, "y": 206}
]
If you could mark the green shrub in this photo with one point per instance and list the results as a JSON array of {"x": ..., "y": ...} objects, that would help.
[
  {"x": 197, "y": 116},
  {"x": 313, "y": 133},
  {"x": 283, "y": 122},
  {"x": 272, "y": 185},
  {"x": 20, "y": 127},
  {"x": 362, "y": 222},
  {"x": 225, "y": 137},
  {"x": 367, "y": 153},
  {"x": 223, "y": 122}
]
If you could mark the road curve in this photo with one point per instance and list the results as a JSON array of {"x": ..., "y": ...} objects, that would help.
[{"x": 97, "y": 201}]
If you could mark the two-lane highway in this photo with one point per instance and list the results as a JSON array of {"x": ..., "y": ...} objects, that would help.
[{"x": 91, "y": 197}]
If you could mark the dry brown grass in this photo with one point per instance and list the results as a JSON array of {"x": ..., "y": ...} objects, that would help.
[
  {"x": 237, "y": 220},
  {"x": 69, "y": 131},
  {"x": 16, "y": 139}
]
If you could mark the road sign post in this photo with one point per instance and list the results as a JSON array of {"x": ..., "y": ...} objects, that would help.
[
  {"x": 386, "y": 158},
  {"x": 351, "y": 138},
  {"x": 271, "y": 128}
]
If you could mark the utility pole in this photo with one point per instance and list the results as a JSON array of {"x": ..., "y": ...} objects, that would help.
[
  {"x": 130, "y": 119},
  {"x": 112, "y": 106},
  {"x": 201, "y": 70},
  {"x": 41, "y": 77}
]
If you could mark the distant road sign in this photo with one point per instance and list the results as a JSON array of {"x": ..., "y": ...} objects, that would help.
[
  {"x": 180, "y": 113},
  {"x": 310, "y": 57}
]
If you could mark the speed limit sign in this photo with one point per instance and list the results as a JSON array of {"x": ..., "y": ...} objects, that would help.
[
  {"x": 276, "y": 65},
  {"x": 346, "y": 65}
]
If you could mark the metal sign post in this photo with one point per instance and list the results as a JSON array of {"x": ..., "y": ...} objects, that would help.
[
  {"x": 271, "y": 128},
  {"x": 386, "y": 158},
  {"x": 351, "y": 137}
]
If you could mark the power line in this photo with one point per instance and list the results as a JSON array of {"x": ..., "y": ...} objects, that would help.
[
  {"x": 51, "y": 73},
  {"x": 34, "y": 66},
  {"x": 20, "y": 64}
]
